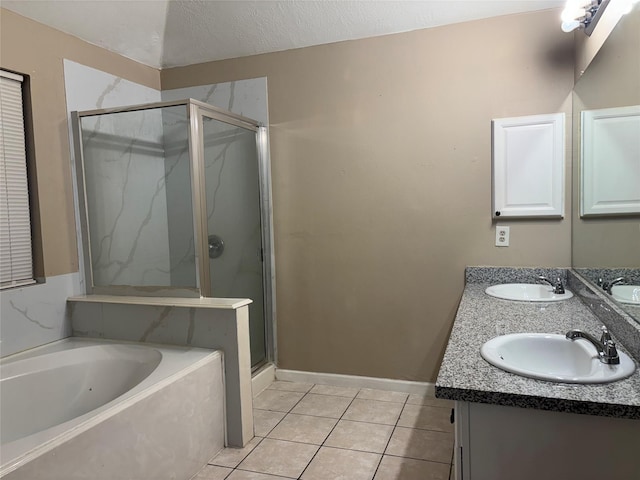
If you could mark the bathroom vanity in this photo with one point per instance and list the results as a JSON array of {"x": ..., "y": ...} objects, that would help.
[{"x": 513, "y": 427}]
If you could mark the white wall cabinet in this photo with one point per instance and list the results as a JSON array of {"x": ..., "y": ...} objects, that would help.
[
  {"x": 610, "y": 161},
  {"x": 528, "y": 166},
  {"x": 495, "y": 442}
]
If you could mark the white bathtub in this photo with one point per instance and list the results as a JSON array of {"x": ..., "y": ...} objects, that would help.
[{"x": 82, "y": 408}]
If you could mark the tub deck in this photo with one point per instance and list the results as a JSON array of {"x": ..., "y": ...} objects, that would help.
[{"x": 22, "y": 456}]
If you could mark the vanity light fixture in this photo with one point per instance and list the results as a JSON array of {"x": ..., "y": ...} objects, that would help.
[
  {"x": 586, "y": 13},
  {"x": 582, "y": 14}
]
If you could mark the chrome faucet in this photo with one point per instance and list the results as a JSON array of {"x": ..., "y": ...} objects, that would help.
[
  {"x": 558, "y": 287},
  {"x": 607, "y": 286},
  {"x": 606, "y": 347}
]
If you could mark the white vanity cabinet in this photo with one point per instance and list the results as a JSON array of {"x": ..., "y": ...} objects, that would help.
[{"x": 495, "y": 442}]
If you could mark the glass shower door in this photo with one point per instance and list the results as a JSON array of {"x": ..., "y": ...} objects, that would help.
[{"x": 232, "y": 189}]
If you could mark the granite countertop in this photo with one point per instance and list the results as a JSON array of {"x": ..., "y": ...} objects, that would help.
[{"x": 465, "y": 375}]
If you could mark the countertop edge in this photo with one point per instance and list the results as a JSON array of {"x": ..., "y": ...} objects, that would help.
[{"x": 539, "y": 403}]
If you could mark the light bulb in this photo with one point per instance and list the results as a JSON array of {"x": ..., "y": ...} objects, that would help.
[
  {"x": 625, "y": 6},
  {"x": 574, "y": 13},
  {"x": 570, "y": 26}
]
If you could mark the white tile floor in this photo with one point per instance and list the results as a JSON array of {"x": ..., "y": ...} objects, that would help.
[{"x": 320, "y": 432}]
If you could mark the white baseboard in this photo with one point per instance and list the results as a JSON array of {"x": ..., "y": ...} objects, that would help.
[
  {"x": 262, "y": 379},
  {"x": 405, "y": 386}
]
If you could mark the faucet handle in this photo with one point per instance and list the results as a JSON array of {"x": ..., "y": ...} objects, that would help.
[
  {"x": 606, "y": 337},
  {"x": 610, "y": 353}
]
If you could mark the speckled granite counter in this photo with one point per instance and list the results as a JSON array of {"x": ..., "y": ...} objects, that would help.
[{"x": 465, "y": 375}]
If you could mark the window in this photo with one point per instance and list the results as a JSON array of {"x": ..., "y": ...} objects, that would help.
[{"x": 16, "y": 263}]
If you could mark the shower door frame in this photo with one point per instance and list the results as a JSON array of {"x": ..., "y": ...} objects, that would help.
[
  {"x": 195, "y": 111},
  {"x": 198, "y": 110}
]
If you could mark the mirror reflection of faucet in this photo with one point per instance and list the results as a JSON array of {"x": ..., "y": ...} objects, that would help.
[{"x": 607, "y": 286}]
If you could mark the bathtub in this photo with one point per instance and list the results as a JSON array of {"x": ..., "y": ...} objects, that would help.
[{"x": 94, "y": 409}]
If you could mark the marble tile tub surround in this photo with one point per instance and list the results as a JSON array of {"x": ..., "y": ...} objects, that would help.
[
  {"x": 465, "y": 375},
  {"x": 130, "y": 442},
  {"x": 221, "y": 324},
  {"x": 36, "y": 314}
]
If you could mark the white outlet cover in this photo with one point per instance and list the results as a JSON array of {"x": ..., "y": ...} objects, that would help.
[{"x": 502, "y": 236}]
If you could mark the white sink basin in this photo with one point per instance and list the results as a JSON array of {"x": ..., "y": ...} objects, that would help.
[
  {"x": 527, "y": 292},
  {"x": 553, "y": 358},
  {"x": 626, "y": 294}
]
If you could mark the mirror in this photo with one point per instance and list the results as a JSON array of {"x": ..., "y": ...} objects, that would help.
[{"x": 608, "y": 246}]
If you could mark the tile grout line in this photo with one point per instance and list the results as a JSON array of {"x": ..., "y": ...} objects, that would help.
[
  {"x": 262, "y": 438},
  {"x": 285, "y": 413},
  {"x": 433, "y": 429},
  {"x": 329, "y": 434},
  {"x": 281, "y": 420},
  {"x": 390, "y": 436},
  {"x": 341, "y": 418},
  {"x": 419, "y": 459},
  {"x": 214, "y": 465},
  {"x": 290, "y": 441},
  {"x": 277, "y": 411}
]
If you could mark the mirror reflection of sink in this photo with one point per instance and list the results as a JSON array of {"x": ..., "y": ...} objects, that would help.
[
  {"x": 626, "y": 294},
  {"x": 553, "y": 358},
  {"x": 527, "y": 292}
]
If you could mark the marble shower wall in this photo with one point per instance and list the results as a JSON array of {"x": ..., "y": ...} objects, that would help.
[
  {"x": 233, "y": 214},
  {"x": 35, "y": 315},
  {"x": 125, "y": 177},
  {"x": 233, "y": 195},
  {"x": 243, "y": 97},
  {"x": 179, "y": 197}
]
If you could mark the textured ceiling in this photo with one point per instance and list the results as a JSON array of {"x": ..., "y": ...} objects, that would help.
[{"x": 172, "y": 33}]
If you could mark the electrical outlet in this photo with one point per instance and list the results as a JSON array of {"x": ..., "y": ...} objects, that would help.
[{"x": 502, "y": 236}]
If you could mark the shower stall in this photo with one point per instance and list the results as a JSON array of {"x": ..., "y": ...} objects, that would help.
[{"x": 175, "y": 200}]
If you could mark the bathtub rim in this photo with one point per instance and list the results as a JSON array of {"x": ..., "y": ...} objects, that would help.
[{"x": 63, "y": 432}]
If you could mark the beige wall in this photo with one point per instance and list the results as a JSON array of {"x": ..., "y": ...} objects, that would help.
[
  {"x": 381, "y": 163},
  {"x": 33, "y": 49},
  {"x": 587, "y": 46}
]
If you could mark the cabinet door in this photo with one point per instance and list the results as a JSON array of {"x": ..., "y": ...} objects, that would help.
[
  {"x": 528, "y": 166},
  {"x": 461, "y": 465},
  {"x": 610, "y": 161},
  {"x": 507, "y": 443}
]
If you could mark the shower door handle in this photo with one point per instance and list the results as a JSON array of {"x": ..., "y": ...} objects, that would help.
[{"x": 216, "y": 246}]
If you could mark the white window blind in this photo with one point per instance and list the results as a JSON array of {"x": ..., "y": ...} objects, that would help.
[{"x": 16, "y": 264}]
